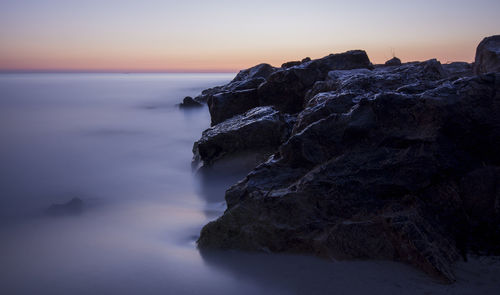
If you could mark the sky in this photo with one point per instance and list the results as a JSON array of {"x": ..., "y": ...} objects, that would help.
[{"x": 224, "y": 36}]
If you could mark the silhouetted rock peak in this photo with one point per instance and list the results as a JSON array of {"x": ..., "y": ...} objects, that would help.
[
  {"x": 393, "y": 62},
  {"x": 295, "y": 63},
  {"x": 259, "y": 71},
  {"x": 488, "y": 55}
]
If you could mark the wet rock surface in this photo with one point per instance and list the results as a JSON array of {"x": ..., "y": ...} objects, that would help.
[
  {"x": 396, "y": 163},
  {"x": 260, "y": 130}
]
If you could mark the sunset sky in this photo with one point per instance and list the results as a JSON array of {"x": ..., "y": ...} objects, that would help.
[{"x": 195, "y": 35}]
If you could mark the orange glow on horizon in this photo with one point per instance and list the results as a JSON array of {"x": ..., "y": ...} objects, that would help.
[{"x": 225, "y": 62}]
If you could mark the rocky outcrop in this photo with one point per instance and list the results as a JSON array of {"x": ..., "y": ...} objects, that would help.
[
  {"x": 488, "y": 56},
  {"x": 379, "y": 180},
  {"x": 245, "y": 80},
  {"x": 388, "y": 162},
  {"x": 258, "y": 71},
  {"x": 283, "y": 88},
  {"x": 342, "y": 89}
]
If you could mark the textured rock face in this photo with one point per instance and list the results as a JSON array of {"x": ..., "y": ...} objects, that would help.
[
  {"x": 245, "y": 80},
  {"x": 488, "y": 55},
  {"x": 342, "y": 89},
  {"x": 458, "y": 69},
  {"x": 225, "y": 105},
  {"x": 258, "y": 71},
  {"x": 380, "y": 180},
  {"x": 261, "y": 129},
  {"x": 283, "y": 88},
  {"x": 396, "y": 163},
  {"x": 349, "y": 60}
]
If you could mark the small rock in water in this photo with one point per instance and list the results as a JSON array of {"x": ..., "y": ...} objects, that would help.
[
  {"x": 73, "y": 207},
  {"x": 189, "y": 102}
]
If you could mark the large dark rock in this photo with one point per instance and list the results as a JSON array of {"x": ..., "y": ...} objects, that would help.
[
  {"x": 488, "y": 55},
  {"x": 233, "y": 99},
  {"x": 286, "y": 89},
  {"x": 344, "y": 88},
  {"x": 389, "y": 162},
  {"x": 259, "y": 130},
  {"x": 354, "y": 59},
  {"x": 225, "y": 105},
  {"x": 283, "y": 88},
  {"x": 246, "y": 79},
  {"x": 370, "y": 82},
  {"x": 378, "y": 180},
  {"x": 258, "y": 71}
]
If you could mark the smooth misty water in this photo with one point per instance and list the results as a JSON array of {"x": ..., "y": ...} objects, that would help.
[{"x": 119, "y": 143}]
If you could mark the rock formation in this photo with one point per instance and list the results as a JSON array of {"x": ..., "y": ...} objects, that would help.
[
  {"x": 488, "y": 56},
  {"x": 189, "y": 102},
  {"x": 397, "y": 163},
  {"x": 260, "y": 130}
]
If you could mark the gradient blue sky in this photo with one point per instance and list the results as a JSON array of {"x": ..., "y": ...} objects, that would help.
[{"x": 152, "y": 35}]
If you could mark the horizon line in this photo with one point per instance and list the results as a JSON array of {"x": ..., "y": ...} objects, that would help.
[{"x": 115, "y": 71}]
